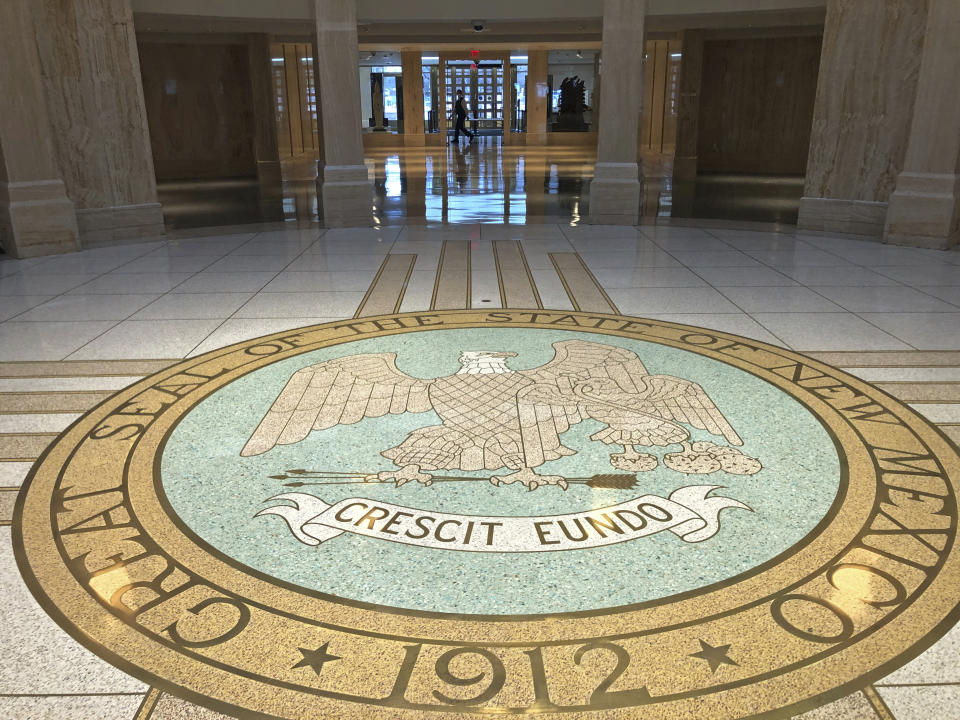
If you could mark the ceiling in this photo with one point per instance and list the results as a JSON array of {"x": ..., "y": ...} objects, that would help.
[{"x": 436, "y": 25}]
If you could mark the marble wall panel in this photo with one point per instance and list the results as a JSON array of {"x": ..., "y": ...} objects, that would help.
[
  {"x": 91, "y": 76},
  {"x": 868, "y": 79},
  {"x": 756, "y": 104},
  {"x": 200, "y": 108}
]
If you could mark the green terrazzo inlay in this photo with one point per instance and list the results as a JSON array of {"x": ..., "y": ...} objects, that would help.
[{"x": 216, "y": 492}]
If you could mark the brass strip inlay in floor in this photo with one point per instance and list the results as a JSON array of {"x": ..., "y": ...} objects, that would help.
[
  {"x": 83, "y": 368},
  {"x": 451, "y": 290},
  {"x": 388, "y": 287},
  {"x": 21, "y": 448},
  {"x": 51, "y": 402},
  {"x": 582, "y": 287},
  {"x": 149, "y": 703},
  {"x": 922, "y": 392},
  {"x": 517, "y": 288},
  {"x": 877, "y": 703},
  {"x": 902, "y": 358}
]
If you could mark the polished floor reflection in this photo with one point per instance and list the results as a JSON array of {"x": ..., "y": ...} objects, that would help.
[{"x": 483, "y": 181}]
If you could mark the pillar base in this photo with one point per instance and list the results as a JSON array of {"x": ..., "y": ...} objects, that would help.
[
  {"x": 269, "y": 172},
  {"x": 924, "y": 211},
  {"x": 346, "y": 196},
  {"x": 37, "y": 218},
  {"x": 615, "y": 194},
  {"x": 857, "y": 217},
  {"x": 685, "y": 168},
  {"x": 120, "y": 224}
]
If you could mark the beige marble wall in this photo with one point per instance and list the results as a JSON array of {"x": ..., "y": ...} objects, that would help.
[
  {"x": 345, "y": 190},
  {"x": 412, "y": 97},
  {"x": 36, "y": 217},
  {"x": 537, "y": 97},
  {"x": 91, "y": 76},
  {"x": 864, "y": 105},
  {"x": 925, "y": 207},
  {"x": 615, "y": 189}
]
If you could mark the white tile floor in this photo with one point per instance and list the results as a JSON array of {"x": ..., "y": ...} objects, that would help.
[{"x": 809, "y": 292}]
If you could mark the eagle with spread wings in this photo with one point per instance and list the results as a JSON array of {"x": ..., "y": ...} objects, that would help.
[{"x": 493, "y": 417}]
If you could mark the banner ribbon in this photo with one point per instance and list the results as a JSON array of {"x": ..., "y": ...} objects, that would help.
[{"x": 690, "y": 513}]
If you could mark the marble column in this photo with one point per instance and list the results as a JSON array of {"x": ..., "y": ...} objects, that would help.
[
  {"x": 266, "y": 147},
  {"x": 688, "y": 106},
  {"x": 615, "y": 189},
  {"x": 925, "y": 206},
  {"x": 36, "y": 216},
  {"x": 869, "y": 66},
  {"x": 91, "y": 77},
  {"x": 537, "y": 97},
  {"x": 411, "y": 66},
  {"x": 344, "y": 188}
]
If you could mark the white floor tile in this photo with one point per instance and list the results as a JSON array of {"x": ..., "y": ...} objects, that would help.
[
  {"x": 47, "y": 340},
  {"x": 193, "y": 306},
  {"x": 13, "y": 305},
  {"x": 906, "y": 374},
  {"x": 778, "y": 299},
  {"x": 71, "y": 707},
  {"x": 88, "y": 307},
  {"x": 131, "y": 283},
  {"x": 217, "y": 282},
  {"x": 38, "y": 655},
  {"x": 744, "y": 276},
  {"x": 167, "y": 264},
  {"x": 715, "y": 258},
  {"x": 12, "y": 474},
  {"x": 925, "y": 331},
  {"x": 842, "y": 276},
  {"x": 947, "y": 293},
  {"x": 547, "y": 231},
  {"x": 921, "y": 275},
  {"x": 939, "y": 412},
  {"x": 251, "y": 263},
  {"x": 41, "y": 284},
  {"x": 382, "y": 234},
  {"x": 320, "y": 281},
  {"x": 883, "y": 299},
  {"x": 592, "y": 232},
  {"x": 628, "y": 259},
  {"x": 613, "y": 278},
  {"x": 336, "y": 263},
  {"x": 301, "y": 305},
  {"x": 67, "y": 384},
  {"x": 419, "y": 290},
  {"x": 643, "y": 301},
  {"x": 827, "y": 331},
  {"x": 936, "y": 702},
  {"x": 147, "y": 339},
  {"x": 736, "y": 323},
  {"x": 36, "y": 422},
  {"x": 938, "y": 664}
]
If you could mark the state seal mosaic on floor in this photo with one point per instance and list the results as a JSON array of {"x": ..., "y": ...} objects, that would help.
[{"x": 463, "y": 512}]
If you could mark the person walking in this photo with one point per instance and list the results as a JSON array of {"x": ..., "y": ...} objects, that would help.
[{"x": 460, "y": 113}]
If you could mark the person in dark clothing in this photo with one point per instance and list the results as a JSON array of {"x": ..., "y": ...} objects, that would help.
[{"x": 460, "y": 112}]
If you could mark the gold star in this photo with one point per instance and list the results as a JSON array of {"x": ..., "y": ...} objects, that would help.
[
  {"x": 716, "y": 656},
  {"x": 315, "y": 658}
]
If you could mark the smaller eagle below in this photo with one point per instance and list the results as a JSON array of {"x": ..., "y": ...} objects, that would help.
[{"x": 495, "y": 418}]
